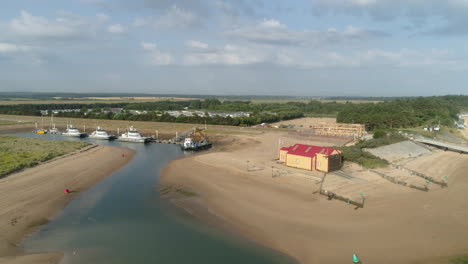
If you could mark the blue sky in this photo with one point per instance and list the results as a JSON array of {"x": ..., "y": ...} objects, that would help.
[{"x": 234, "y": 47}]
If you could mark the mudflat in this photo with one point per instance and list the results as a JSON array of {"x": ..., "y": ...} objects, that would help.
[
  {"x": 239, "y": 184},
  {"x": 30, "y": 198}
]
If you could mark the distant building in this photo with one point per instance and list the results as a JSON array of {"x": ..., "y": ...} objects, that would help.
[{"x": 309, "y": 157}]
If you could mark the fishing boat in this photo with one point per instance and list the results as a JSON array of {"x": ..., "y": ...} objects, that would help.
[
  {"x": 100, "y": 133},
  {"x": 73, "y": 132},
  {"x": 132, "y": 135}
]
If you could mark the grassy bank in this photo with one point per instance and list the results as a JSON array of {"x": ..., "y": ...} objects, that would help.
[
  {"x": 17, "y": 153},
  {"x": 357, "y": 154}
]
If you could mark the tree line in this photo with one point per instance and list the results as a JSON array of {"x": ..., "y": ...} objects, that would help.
[
  {"x": 403, "y": 113},
  {"x": 397, "y": 113}
]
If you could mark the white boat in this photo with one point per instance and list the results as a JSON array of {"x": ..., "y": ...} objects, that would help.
[
  {"x": 100, "y": 133},
  {"x": 53, "y": 129},
  {"x": 73, "y": 132},
  {"x": 132, "y": 135}
]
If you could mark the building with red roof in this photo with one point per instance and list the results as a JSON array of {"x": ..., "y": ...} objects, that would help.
[{"x": 310, "y": 157}]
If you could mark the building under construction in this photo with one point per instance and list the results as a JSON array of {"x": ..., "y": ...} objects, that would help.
[
  {"x": 309, "y": 157},
  {"x": 338, "y": 130}
]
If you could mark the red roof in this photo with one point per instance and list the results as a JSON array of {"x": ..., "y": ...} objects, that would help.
[{"x": 308, "y": 150}]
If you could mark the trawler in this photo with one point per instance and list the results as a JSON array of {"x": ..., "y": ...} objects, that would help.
[
  {"x": 73, "y": 132},
  {"x": 100, "y": 133},
  {"x": 132, "y": 135}
]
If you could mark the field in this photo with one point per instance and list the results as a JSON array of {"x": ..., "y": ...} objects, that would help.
[
  {"x": 148, "y": 128},
  {"x": 306, "y": 100},
  {"x": 17, "y": 153},
  {"x": 7, "y": 122},
  {"x": 115, "y": 99},
  {"x": 91, "y": 100}
]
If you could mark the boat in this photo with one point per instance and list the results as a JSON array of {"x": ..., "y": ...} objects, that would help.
[
  {"x": 190, "y": 143},
  {"x": 100, "y": 133},
  {"x": 73, "y": 132},
  {"x": 53, "y": 129},
  {"x": 132, "y": 135},
  {"x": 41, "y": 131}
]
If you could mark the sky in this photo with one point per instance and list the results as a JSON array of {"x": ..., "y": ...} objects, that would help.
[{"x": 236, "y": 47}]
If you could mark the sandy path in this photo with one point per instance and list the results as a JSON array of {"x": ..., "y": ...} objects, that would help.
[
  {"x": 32, "y": 197},
  {"x": 396, "y": 226}
]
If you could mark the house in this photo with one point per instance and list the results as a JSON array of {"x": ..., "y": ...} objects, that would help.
[{"x": 309, "y": 157}]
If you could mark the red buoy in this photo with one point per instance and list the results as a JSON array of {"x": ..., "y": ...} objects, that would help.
[{"x": 66, "y": 191}]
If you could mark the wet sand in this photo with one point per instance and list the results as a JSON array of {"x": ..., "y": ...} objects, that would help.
[
  {"x": 32, "y": 197},
  {"x": 397, "y": 224}
]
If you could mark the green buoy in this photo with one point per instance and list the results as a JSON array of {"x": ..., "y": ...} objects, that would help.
[{"x": 356, "y": 259}]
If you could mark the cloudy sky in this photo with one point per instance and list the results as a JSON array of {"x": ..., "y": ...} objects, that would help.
[{"x": 263, "y": 47}]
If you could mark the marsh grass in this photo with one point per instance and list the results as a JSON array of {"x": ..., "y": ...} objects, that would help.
[{"x": 17, "y": 153}]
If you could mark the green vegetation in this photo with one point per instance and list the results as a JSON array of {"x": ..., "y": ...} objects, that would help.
[
  {"x": 358, "y": 155},
  {"x": 395, "y": 113},
  {"x": 17, "y": 153},
  {"x": 386, "y": 139},
  {"x": 363, "y": 158},
  {"x": 404, "y": 113},
  {"x": 460, "y": 260},
  {"x": 7, "y": 122}
]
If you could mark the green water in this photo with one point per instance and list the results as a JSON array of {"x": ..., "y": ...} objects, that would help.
[{"x": 122, "y": 219}]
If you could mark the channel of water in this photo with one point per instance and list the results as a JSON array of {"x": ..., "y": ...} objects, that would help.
[{"x": 123, "y": 219}]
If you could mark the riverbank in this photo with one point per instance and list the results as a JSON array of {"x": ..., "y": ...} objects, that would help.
[
  {"x": 30, "y": 198},
  {"x": 234, "y": 184}
]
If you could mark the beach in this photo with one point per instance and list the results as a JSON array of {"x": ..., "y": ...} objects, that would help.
[
  {"x": 34, "y": 196},
  {"x": 238, "y": 186}
]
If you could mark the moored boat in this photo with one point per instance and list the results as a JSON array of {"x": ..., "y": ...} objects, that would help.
[
  {"x": 73, "y": 132},
  {"x": 132, "y": 135},
  {"x": 100, "y": 133}
]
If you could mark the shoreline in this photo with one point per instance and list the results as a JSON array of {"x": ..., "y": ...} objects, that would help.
[
  {"x": 34, "y": 196},
  {"x": 397, "y": 226}
]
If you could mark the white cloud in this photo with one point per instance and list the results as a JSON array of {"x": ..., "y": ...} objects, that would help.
[
  {"x": 13, "y": 48},
  {"x": 148, "y": 46},
  {"x": 451, "y": 16},
  {"x": 117, "y": 28},
  {"x": 272, "y": 32},
  {"x": 102, "y": 17},
  {"x": 228, "y": 55},
  {"x": 403, "y": 58},
  {"x": 65, "y": 26},
  {"x": 92, "y": 1},
  {"x": 174, "y": 17},
  {"x": 271, "y": 23},
  {"x": 196, "y": 44},
  {"x": 156, "y": 57}
]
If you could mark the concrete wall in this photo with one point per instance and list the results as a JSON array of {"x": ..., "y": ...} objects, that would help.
[{"x": 299, "y": 162}]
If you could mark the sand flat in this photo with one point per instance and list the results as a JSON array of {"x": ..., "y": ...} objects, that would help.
[
  {"x": 397, "y": 225},
  {"x": 32, "y": 197}
]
